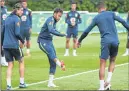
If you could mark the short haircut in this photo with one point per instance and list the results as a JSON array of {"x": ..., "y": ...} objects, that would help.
[
  {"x": 73, "y": 3},
  {"x": 101, "y": 5},
  {"x": 23, "y": 0},
  {"x": 56, "y": 10},
  {"x": 17, "y": 6}
]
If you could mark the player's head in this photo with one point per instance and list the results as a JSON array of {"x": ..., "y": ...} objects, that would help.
[
  {"x": 58, "y": 13},
  {"x": 101, "y": 6},
  {"x": 18, "y": 9},
  {"x": 24, "y": 3},
  {"x": 2, "y": 2},
  {"x": 73, "y": 6}
]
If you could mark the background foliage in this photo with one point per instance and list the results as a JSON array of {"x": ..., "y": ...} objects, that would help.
[{"x": 83, "y": 5}]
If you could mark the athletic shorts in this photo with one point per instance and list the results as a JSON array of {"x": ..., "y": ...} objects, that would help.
[
  {"x": 72, "y": 32},
  {"x": 13, "y": 54},
  {"x": 109, "y": 50}
]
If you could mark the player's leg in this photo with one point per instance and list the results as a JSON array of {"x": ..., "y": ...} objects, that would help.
[
  {"x": 28, "y": 43},
  {"x": 51, "y": 73},
  {"x": 9, "y": 59},
  {"x": 127, "y": 47},
  {"x": 104, "y": 56},
  {"x": 18, "y": 55},
  {"x": 3, "y": 60},
  {"x": 67, "y": 46},
  {"x": 75, "y": 34},
  {"x": 48, "y": 48},
  {"x": 113, "y": 54}
]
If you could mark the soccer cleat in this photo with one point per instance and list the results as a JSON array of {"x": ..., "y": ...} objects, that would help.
[
  {"x": 74, "y": 54},
  {"x": 107, "y": 86},
  {"x": 66, "y": 54},
  {"x": 22, "y": 85},
  {"x": 62, "y": 66},
  {"x": 52, "y": 85},
  {"x": 100, "y": 89},
  {"x": 9, "y": 87},
  {"x": 125, "y": 54}
]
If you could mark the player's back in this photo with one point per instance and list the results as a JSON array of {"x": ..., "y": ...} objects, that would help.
[
  {"x": 106, "y": 24},
  {"x": 10, "y": 40}
]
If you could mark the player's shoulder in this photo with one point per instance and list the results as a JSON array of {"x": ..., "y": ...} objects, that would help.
[
  {"x": 16, "y": 18},
  {"x": 50, "y": 19}
]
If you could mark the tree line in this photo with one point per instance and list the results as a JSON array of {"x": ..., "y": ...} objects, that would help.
[{"x": 83, "y": 5}]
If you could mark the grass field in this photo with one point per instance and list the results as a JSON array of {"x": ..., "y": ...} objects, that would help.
[{"x": 81, "y": 71}]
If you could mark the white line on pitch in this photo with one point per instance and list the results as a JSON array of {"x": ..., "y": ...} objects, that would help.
[{"x": 69, "y": 76}]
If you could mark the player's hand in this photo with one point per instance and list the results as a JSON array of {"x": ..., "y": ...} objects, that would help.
[
  {"x": 63, "y": 35},
  {"x": 78, "y": 44}
]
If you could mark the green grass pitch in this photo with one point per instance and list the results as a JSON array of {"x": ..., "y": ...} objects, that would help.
[{"x": 37, "y": 67}]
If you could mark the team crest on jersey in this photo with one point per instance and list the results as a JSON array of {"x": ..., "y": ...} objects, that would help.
[
  {"x": 27, "y": 12},
  {"x": 4, "y": 16},
  {"x": 18, "y": 24},
  {"x": 51, "y": 23}
]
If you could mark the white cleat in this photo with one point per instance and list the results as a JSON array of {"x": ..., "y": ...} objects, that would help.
[
  {"x": 107, "y": 86},
  {"x": 125, "y": 54},
  {"x": 52, "y": 85},
  {"x": 66, "y": 54},
  {"x": 100, "y": 89},
  {"x": 74, "y": 54}
]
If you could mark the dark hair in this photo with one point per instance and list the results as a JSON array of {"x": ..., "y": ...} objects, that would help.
[
  {"x": 17, "y": 6},
  {"x": 56, "y": 10},
  {"x": 101, "y": 5},
  {"x": 73, "y": 2}
]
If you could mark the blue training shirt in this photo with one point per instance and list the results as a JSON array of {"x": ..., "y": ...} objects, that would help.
[
  {"x": 49, "y": 29},
  {"x": 3, "y": 14},
  {"x": 106, "y": 24},
  {"x": 11, "y": 32},
  {"x": 73, "y": 16},
  {"x": 26, "y": 19}
]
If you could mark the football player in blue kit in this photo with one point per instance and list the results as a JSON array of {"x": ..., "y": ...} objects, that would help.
[
  {"x": 72, "y": 19},
  {"x": 46, "y": 45},
  {"x": 105, "y": 21}
]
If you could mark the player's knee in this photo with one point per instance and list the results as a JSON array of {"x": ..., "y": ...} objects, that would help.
[{"x": 67, "y": 41}]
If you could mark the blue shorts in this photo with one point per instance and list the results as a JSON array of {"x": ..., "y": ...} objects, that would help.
[
  {"x": 47, "y": 47},
  {"x": 109, "y": 50},
  {"x": 11, "y": 54},
  {"x": 72, "y": 32},
  {"x": 25, "y": 34}
]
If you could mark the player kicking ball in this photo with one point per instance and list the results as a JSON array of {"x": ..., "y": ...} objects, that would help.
[
  {"x": 46, "y": 45},
  {"x": 105, "y": 21}
]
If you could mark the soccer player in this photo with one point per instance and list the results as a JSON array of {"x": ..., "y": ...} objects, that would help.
[
  {"x": 72, "y": 19},
  {"x": 105, "y": 21},
  {"x": 26, "y": 26},
  {"x": 45, "y": 43},
  {"x": 11, "y": 37},
  {"x": 127, "y": 45},
  {"x": 3, "y": 17}
]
